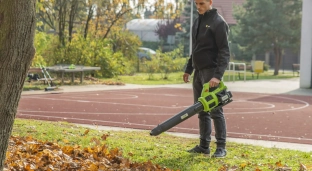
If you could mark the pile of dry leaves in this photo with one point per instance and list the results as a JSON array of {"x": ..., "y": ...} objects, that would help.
[{"x": 29, "y": 154}]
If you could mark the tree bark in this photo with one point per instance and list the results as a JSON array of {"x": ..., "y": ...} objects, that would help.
[
  {"x": 72, "y": 16},
  {"x": 89, "y": 17},
  {"x": 62, "y": 20},
  {"x": 17, "y": 30}
]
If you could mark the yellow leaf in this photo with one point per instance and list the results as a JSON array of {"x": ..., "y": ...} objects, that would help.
[
  {"x": 243, "y": 165},
  {"x": 278, "y": 164},
  {"x": 29, "y": 138},
  {"x": 93, "y": 167},
  {"x": 27, "y": 168}
]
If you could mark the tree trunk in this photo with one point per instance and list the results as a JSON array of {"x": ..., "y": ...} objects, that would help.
[
  {"x": 267, "y": 57},
  {"x": 62, "y": 20},
  {"x": 89, "y": 17},
  {"x": 17, "y": 29},
  {"x": 72, "y": 16},
  {"x": 278, "y": 57}
]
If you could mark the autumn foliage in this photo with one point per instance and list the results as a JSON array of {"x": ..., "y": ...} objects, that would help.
[{"x": 26, "y": 153}]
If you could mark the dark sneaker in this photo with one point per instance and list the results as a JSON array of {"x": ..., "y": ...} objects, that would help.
[
  {"x": 199, "y": 149},
  {"x": 219, "y": 153}
]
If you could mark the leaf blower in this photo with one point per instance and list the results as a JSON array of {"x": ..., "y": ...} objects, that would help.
[{"x": 208, "y": 102}]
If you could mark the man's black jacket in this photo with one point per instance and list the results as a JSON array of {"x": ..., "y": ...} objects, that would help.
[{"x": 210, "y": 48}]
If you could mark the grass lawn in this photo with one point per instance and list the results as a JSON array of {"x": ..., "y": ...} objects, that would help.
[
  {"x": 166, "y": 150},
  {"x": 158, "y": 79},
  {"x": 176, "y": 78}
]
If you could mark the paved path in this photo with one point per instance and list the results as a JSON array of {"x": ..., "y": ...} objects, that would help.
[{"x": 268, "y": 113}]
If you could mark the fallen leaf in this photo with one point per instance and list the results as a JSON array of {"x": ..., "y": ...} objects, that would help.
[
  {"x": 104, "y": 137},
  {"x": 278, "y": 164},
  {"x": 29, "y": 154},
  {"x": 86, "y": 132},
  {"x": 243, "y": 165},
  {"x": 303, "y": 167}
]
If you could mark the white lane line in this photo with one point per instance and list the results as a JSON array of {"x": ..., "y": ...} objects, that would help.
[
  {"x": 112, "y": 103},
  {"x": 91, "y": 113},
  {"x": 305, "y": 104},
  {"x": 83, "y": 101},
  {"x": 158, "y": 94},
  {"x": 270, "y": 105},
  {"x": 100, "y": 97}
]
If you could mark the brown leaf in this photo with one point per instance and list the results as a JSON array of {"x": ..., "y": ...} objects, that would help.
[
  {"x": 68, "y": 150},
  {"x": 302, "y": 167},
  {"x": 86, "y": 132},
  {"x": 93, "y": 167},
  {"x": 104, "y": 136},
  {"x": 29, "y": 138},
  {"x": 28, "y": 168},
  {"x": 29, "y": 154},
  {"x": 245, "y": 155},
  {"x": 97, "y": 142},
  {"x": 278, "y": 164}
]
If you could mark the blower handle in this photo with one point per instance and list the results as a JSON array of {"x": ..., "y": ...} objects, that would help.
[
  {"x": 205, "y": 91},
  {"x": 209, "y": 99}
]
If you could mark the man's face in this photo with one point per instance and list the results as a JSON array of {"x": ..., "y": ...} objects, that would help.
[{"x": 203, "y": 5}]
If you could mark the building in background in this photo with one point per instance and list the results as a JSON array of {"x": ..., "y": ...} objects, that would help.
[{"x": 144, "y": 28}]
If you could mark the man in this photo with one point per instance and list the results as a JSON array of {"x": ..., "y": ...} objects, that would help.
[{"x": 209, "y": 59}]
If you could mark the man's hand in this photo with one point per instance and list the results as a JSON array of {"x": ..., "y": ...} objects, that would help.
[
  {"x": 186, "y": 77},
  {"x": 214, "y": 82}
]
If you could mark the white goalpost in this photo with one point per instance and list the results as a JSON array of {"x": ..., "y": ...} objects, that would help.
[{"x": 306, "y": 46}]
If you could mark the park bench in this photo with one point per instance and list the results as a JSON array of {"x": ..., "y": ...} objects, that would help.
[
  {"x": 234, "y": 68},
  {"x": 296, "y": 68}
]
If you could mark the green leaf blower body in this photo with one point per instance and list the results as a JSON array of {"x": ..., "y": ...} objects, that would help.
[{"x": 208, "y": 102}]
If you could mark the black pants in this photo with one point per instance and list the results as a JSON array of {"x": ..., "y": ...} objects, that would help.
[{"x": 205, "y": 127}]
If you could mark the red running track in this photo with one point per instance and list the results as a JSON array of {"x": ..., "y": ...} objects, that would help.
[{"x": 283, "y": 118}]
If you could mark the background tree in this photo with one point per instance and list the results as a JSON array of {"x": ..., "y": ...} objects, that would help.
[
  {"x": 166, "y": 10},
  {"x": 92, "y": 32},
  {"x": 64, "y": 17},
  {"x": 88, "y": 32},
  {"x": 184, "y": 36},
  {"x": 163, "y": 30},
  {"x": 61, "y": 16},
  {"x": 17, "y": 30},
  {"x": 268, "y": 25}
]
